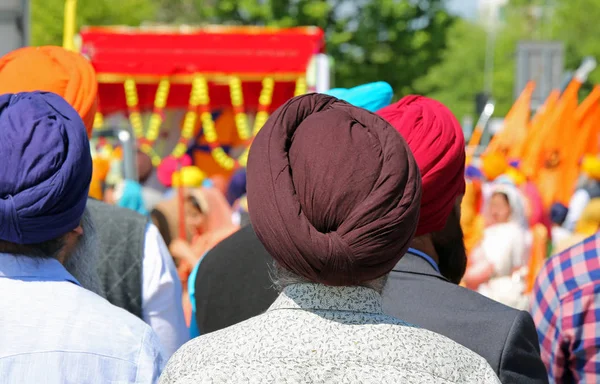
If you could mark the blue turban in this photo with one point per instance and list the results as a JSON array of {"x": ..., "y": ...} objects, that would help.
[
  {"x": 47, "y": 167},
  {"x": 371, "y": 96},
  {"x": 132, "y": 197}
]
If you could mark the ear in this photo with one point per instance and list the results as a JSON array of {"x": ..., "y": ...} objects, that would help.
[{"x": 78, "y": 231}]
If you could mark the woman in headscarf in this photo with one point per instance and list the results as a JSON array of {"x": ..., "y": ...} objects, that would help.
[
  {"x": 208, "y": 219},
  {"x": 503, "y": 249}
]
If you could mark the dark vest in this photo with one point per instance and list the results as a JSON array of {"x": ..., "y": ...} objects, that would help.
[{"x": 122, "y": 234}]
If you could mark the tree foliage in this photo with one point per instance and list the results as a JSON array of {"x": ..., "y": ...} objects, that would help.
[
  {"x": 459, "y": 76},
  {"x": 576, "y": 24},
  {"x": 47, "y": 16}
]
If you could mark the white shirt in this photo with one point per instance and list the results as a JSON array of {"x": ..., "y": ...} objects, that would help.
[
  {"x": 318, "y": 334},
  {"x": 53, "y": 331},
  {"x": 579, "y": 201},
  {"x": 161, "y": 293}
]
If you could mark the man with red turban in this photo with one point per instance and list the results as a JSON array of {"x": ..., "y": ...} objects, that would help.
[
  {"x": 423, "y": 287},
  {"x": 135, "y": 268},
  {"x": 334, "y": 197}
]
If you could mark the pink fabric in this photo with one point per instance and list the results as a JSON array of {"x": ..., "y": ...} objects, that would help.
[
  {"x": 436, "y": 140},
  {"x": 170, "y": 165}
]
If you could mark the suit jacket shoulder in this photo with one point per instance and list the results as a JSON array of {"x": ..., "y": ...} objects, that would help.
[{"x": 504, "y": 336}]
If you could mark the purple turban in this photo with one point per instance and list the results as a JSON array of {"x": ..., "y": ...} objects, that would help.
[
  {"x": 237, "y": 186},
  {"x": 333, "y": 191},
  {"x": 47, "y": 167}
]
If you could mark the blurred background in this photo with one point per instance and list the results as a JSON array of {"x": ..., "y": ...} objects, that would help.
[{"x": 457, "y": 51}]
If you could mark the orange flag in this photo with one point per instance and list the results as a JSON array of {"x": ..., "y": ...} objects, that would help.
[
  {"x": 587, "y": 116},
  {"x": 537, "y": 258},
  {"x": 550, "y": 162},
  {"x": 515, "y": 125},
  {"x": 530, "y": 145}
]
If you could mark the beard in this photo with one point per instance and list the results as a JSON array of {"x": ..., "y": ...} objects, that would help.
[
  {"x": 450, "y": 248},
  {"x": 82, "y": 261}
]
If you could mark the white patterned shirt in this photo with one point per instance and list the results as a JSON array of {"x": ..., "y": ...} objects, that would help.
[{"x": 319, "y": 334}]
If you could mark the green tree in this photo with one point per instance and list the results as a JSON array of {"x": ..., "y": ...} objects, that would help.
[
  {"x": 459, "y": 76},
  {"x": 392, "y": 40},
  {"x": 47, "y": 16},
  {"x": 576, "y": 24}
]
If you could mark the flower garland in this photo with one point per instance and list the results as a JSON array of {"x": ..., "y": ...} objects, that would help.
[
  {"x": 98, "y": 120},
  {"x": 199, "y": 99},
  {"x": 198, "y": 96},
  {"x": 237, "y": 101},
  {"x": 210, "y": 133},
  {"x": 300, "y": 86},
  {"x": 131, "y": 98},
  {"x": 156, "y": 119},
  {"x": 264, "y": 102}
]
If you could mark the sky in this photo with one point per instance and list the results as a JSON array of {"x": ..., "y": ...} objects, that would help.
[{"x": 464, "y": 8}]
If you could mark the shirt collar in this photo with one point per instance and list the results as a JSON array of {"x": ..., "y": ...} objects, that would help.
[
  {"x": 411, "y": 263},
  {"x": 33, "y": 269},
  {"x": 322, "y": 297}
]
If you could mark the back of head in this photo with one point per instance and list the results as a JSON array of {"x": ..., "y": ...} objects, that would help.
[
  {"x": 436, "y": 140},
  {"x": 44, "y": 185},
  {"x": 333, "y": 191},
  {"x": 558, "y": 213},
  {"x": 52, "y": 69}
]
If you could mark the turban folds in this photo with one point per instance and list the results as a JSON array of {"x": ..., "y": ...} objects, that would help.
[
  {"x": 436, "y": 140},
  {"x": 52, "y": 69},
  {"x": 43, "y": 192},
  {"x": 333, "y": 191}
]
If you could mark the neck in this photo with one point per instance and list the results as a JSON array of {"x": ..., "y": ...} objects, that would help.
[{"x": 424, "y": 243}]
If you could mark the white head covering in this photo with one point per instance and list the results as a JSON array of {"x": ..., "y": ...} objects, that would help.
[{"x": 516, "y": 200}]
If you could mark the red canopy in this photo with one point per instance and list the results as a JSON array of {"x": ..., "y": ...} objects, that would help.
[{"x": 147, "y": 55}]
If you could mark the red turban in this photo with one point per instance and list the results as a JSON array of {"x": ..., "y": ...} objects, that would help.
[
  {"x": 333, "y": 191},
  {"x": 437, "y": 142}
]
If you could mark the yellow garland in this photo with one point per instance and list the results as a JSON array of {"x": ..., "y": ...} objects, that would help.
[
  {"x": 135, "y": 118},
  {"x": 265, "y": 99},
  {"x": 160, "y": 101},
  {"x": 237, "y": 100},
  {"x": 300, "y": 86},
  {"x": 210, "y": 133},
  {"x": 131, "y": 97},
  {"x": 198, "y": 95},
  {"x": 98, "y": 120}
]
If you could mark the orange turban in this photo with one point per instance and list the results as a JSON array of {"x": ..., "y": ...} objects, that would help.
[{"x": 52, "y": 69}]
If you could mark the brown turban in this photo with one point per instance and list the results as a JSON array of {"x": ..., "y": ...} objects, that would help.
[{"x": 333, "y": 191}]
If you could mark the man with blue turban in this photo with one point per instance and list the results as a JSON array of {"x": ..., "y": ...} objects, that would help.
[
  {"x": 53, "y": 329},
  {"x": 370, "y": 96}
]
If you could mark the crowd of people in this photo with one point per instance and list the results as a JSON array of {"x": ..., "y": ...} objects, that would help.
[{"x": 356, "y": 246}]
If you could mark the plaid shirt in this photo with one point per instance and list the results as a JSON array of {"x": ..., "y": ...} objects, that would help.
[{"x": 566, "y": 311}]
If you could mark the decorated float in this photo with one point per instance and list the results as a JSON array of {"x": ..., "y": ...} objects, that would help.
[{"x": 204, "y": 92}]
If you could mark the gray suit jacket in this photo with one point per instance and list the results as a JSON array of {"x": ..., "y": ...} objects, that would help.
[{"x": 504, "y": 336}]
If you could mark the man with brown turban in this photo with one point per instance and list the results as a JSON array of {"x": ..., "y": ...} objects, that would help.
[
  {"x": 423, "y": 287},
  {"x": 334, "y": 196},
  {"x": 135, "y": 267}
]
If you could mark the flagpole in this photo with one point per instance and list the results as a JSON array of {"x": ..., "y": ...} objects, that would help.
[{"x": 70, "y": 24}]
